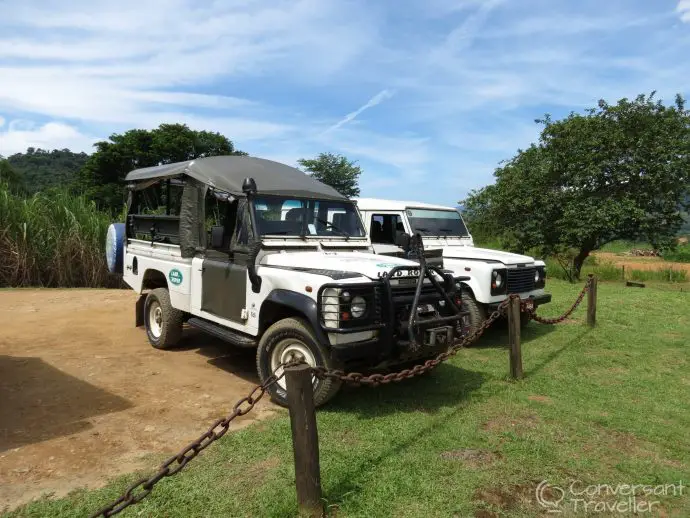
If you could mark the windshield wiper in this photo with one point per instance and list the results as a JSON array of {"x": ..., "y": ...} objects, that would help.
[
  {"x": 342, "y": 232},
  {"x": 422, "y": 229}
]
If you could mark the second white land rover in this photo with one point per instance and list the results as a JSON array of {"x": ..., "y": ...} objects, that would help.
[{"x": 493, "y": 274}]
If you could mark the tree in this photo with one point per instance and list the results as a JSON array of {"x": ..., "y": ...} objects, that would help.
[
  {"x": 103, "y": 173},
  {"x": 43, "y": 169},
  {"x": 9, "y": 175},
  {"x": 617, "y": 172},
  {"x": 334, "y": 170}
]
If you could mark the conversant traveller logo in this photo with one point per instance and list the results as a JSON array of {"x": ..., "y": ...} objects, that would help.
[{"x": 608, "y": 499}]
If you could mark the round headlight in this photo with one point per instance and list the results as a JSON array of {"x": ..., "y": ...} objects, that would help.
[
  {"x": 536, "y": 276},
  {"x": 345, "y": 296},
  {"x": 358, "y": 306},
  {"x": 498, "y": 280}
]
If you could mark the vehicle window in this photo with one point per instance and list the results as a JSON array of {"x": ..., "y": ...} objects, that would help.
[
  {"x": 297, "y": 217},
  {"x": 221, "y": 211},
  {"x": 161, "y": 198},
  {"x": 385, "y": 228},
  {"x": 437, "y": 222}
]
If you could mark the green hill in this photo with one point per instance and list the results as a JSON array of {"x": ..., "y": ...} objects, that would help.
[{"x": 40, "y": 169}]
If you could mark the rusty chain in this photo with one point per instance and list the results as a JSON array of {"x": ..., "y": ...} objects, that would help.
[
  {"x": 557, "y": 320},
  {"x": 376, "y": 379},
  {"x": 143, "y": 487}
]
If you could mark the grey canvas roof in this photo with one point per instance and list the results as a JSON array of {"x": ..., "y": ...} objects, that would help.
[{"x": 226, "y": 173}]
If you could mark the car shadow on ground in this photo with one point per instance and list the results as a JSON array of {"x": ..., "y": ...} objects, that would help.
[
  {"x": 445, "y": 386},
  {"x": 33, "y": 392},
  {"x": 238, "y": 361}
]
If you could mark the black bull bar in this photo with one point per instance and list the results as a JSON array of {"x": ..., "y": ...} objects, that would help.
[
  {"x": 448, "y": 292},
  {"x": 446, "y": 288}
]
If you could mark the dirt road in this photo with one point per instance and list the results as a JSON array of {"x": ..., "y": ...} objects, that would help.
[{"x": 84, "y": 397}]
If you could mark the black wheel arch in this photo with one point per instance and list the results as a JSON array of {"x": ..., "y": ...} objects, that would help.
[
  {"x": 153, "y": 279},
  {"x": 280, "y": 304}
]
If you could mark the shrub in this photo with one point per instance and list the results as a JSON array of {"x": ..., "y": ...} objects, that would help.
[{"x": 681, "y": 254}]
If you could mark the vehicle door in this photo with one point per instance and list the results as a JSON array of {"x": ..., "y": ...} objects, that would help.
[
  {"x": 224, "y": 267},
  {"x": 384, "y": 228}
]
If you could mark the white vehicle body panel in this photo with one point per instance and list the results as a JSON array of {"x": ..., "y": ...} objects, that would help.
[
  {"x": 274, "y": 271},
  {"x": 459, "y": 253}
]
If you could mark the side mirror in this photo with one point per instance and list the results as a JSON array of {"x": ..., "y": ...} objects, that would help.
[
  {"x": 403, "y": 241},
  {"x": 217, "y": 235}
]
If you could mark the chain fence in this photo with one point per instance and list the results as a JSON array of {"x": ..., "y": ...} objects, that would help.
[
  {"x": 143, "y": 487},
  {"x": 557, "y": 320}
]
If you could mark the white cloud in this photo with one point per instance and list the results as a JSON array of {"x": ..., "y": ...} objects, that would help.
[
  {"x": 683, "y": 9},
  {"x": 469, "y": 76},
  {"x": 377, "y": 99},
  {"x": 53, "y": 135},
  {"x": 90, "y": 61},
  {"x": 2, "y": 122}
]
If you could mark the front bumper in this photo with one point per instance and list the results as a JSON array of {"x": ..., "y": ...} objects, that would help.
[
  {"x": 538, "y": 300},
  {"x": 381, "y": 349},
  {"x": 391, "y": 343}
]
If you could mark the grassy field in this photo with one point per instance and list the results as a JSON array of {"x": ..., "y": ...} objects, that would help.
[
  {"x": 52, "y": 239},
  {"x": 607, "y": 405}
]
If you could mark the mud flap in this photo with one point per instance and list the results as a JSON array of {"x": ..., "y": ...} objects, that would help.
[{"x": 139, "y": 311}]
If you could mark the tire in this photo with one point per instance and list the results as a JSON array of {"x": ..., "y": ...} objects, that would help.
[
  {"x": 162, "y": 321},
  {"x": 524, "y": 320},
  {"x": 477, "y": 312},
  {"x": 114, "y": 247},
  {"x": 291, "y": 338}
]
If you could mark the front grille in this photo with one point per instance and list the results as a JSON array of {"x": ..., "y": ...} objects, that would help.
[
  {"x": 404, "y": 294},
  {"x": 520, "y": 280}
]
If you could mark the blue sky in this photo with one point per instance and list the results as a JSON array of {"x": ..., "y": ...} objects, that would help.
[{"x": 427, "y": 95}]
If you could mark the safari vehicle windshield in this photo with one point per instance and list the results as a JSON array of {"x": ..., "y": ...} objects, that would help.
[
  {"x": 437, "y": 222},
  {"x": 281, "y": 216}
]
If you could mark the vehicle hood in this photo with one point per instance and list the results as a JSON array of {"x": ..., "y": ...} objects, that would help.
[
  {"x": 484, "y": 254},
  {"x": 366, "y": 264}
]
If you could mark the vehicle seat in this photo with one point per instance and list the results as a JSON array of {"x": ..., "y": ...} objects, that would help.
[
  {"x": 376, "y": 231},
  {"x": 294, "y": 214},
  {"x": 344, "y": 222}
]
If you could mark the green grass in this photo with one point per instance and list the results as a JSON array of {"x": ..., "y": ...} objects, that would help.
[{"x": 607, "y": 405}]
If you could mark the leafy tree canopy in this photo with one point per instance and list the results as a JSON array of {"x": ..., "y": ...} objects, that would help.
[
  {"x": 104, "y": 172},
  {"x": 616, "y": 172},
  {"x": 41, "y": 169},
  {"x": 336, "y": 171}
]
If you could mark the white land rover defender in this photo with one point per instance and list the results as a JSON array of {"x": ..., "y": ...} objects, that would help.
[
  {"x": 492, "y": 274},
  {"x": 259, "y": 254}
]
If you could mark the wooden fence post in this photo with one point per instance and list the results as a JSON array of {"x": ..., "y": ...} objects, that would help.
[
  {"x": 592, "y": 302},
  {"x": 514, "y": 338},
  {"x": 305, "y": 440}
]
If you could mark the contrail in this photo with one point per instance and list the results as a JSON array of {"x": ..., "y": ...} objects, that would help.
[{"x": 377, "y": 99}]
